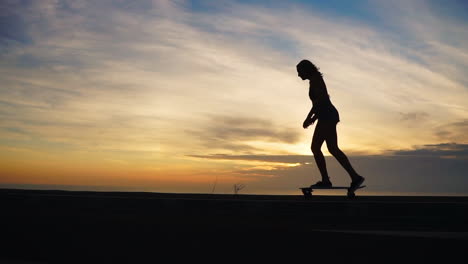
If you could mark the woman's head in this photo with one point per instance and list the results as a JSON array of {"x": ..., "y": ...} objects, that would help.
[{"x": 307, "y": 70}]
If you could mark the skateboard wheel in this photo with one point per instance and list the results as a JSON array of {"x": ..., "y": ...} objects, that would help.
[{"x": 307, "y": 193}]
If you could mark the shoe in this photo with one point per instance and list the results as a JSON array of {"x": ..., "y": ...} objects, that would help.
[
  {"x": 321, "y": 184},
  {"x": 357, "y": 183}
]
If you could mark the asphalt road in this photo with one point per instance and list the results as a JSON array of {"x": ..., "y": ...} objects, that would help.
[{"x": 105, "y": 227}]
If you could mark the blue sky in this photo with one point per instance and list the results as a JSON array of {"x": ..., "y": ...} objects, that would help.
[{"x": 178, "y": 93}]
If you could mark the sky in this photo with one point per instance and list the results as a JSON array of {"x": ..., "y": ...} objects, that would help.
[{"x": 196, "y": 96}]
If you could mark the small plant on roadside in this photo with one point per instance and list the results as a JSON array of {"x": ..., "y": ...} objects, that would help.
[{"x": 238, "y": 187}]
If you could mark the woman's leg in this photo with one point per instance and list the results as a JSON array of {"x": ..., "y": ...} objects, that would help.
[
  {"x": 331, "y": 138},
  {"x": 317, "y": 141}
]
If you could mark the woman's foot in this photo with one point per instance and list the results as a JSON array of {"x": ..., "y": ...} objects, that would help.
[
  {"x": 322, "y": 184},
  {"x": 356, "y": 183}
]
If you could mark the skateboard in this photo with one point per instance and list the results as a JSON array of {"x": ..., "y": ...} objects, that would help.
[{"x": 307, "y": 191}]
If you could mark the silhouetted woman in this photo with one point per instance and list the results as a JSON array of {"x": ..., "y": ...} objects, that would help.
[{"x": 328, "y": 118}]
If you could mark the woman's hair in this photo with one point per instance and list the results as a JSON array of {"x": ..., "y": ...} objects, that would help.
[{"x": 309, "y": 67}]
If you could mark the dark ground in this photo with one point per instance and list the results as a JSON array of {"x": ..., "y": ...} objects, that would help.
[{"x": 107, "y": 227}]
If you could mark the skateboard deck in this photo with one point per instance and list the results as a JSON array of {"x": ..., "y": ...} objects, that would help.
[{"x": 307, "y": 191}]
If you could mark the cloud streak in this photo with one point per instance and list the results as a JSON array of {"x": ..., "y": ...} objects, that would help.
[{"x": 241, "y": 133}]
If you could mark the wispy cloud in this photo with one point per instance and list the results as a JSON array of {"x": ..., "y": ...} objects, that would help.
[
  {"x": 455, "y": 131},
  {"x": 445, "y": 150},
  {"x": 267, "y": 158},
  {"x": 237, "y": 134},
  {"x": 414, "y": 116}
]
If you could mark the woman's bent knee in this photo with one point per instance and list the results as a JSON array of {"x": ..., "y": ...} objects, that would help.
[
  {"x": 334, "y": 151},
  {"x": 316, "y": 150}
]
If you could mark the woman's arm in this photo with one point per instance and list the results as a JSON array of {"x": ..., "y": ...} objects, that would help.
[
  {"x": 310, "y": 119},
  {"x": 313, "y": 118},
  {"x": 322, "y": 94},
  {"x": 311, "y": 112},
  {"x": 320, "y": 98}
]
